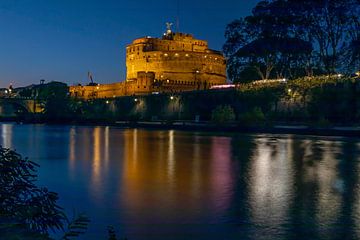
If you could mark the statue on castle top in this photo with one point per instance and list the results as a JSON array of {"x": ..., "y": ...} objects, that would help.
[{"x": 168, "y": 28}]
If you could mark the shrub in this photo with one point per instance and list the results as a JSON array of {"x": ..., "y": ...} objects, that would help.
[
  {"x": 254, "y": 117},
  {"x": 222, "y": 114}
]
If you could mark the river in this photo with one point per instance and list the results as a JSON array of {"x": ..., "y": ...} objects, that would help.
[{"x": 165, "y": 184}]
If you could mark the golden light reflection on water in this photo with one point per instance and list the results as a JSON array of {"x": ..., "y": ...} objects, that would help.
[
  {"x": 72, "y": 149},
  {"x": 89, "y": 151},
  {"x": 171, "y": 157},
  {"x": 96, "y": 161},
  {"x": 106, "y": 147},
  {"x": 176, "y": 177}
]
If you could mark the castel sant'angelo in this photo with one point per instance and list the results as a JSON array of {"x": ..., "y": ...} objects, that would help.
[{"x": 174, "y": 63}]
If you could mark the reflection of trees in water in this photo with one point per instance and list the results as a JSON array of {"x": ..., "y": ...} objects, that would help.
[
  {"x": 263, "y": 193},
  {"x": 348, "y": 223},
  {"x": 319, "y": 207},
  {"x": 296, "y": 187}
]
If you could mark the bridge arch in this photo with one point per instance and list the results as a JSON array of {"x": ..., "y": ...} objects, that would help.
[{"x": 19, "y": 105}]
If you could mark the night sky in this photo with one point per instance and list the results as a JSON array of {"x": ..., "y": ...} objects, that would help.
[{"x": 61, "y": 40}]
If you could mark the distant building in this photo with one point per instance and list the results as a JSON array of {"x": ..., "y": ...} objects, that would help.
[{"x": 176, "y": 62}]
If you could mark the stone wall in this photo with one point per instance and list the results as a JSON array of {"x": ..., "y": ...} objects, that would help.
[{"x": 176, "y": 57}]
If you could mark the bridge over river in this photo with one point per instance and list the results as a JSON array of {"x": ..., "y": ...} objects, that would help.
[{"x": 15, "y": 106}]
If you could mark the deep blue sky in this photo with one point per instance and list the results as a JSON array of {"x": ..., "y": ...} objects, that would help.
[{"x": 63, "y": 39}]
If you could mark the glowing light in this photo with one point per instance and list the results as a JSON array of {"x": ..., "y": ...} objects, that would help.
[
  {"x": 135, "y": 99},
  {"x": 339, "y": 75},
  {"x": 269, "y": 81},
  {"x": 197, "y": 71},
  {"x": 186, "y": 55},
  {"x": 223, "y": 86},
  {"x": 107, "y": 102},
  {"x": 176, "y": 54},
  {"x": 289, "y": 90},
  {"x": 165, "y": 55},
  {"x": 97, "y": 87},
  {"x": 172, "y": 97},
  {"x": 167, "y": 80},
  {"x": 6, "y": 91}
]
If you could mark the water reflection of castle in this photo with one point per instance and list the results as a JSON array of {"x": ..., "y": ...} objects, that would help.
[
  {"x": 175, "y": 62},
  {"x": 283, "y": 184}
]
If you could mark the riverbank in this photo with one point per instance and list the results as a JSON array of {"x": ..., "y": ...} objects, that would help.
[{"x": 346, "y": 131}]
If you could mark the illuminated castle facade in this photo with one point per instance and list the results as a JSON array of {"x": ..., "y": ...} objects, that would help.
[{"x": 176, "y": 62}]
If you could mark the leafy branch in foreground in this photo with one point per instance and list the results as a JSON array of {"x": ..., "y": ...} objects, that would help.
[
  {"x": 76, "y": 227},
  {"x": 26, "y": 210},
  {"x": 29, "y": 212},
  {"x": 22, "y": 200}
]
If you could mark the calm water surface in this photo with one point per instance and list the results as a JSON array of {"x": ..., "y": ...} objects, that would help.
[{"x": 192, "y": 185}]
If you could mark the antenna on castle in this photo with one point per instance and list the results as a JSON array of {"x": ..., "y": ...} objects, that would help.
[{"x": 178, "y": 16}]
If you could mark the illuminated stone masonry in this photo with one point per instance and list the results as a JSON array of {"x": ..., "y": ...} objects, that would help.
[{"x": 176, "y": 62}]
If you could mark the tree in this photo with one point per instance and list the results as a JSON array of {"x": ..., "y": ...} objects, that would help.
[
  {"x": 328, "y": 24},
  {"x": 267, "y": 42},
  {"x": 22, "y": 200},
  {"x": 291, "y": 38},
  {"x": 352, "y": 56},
  {"x": 58, "y": 105}
]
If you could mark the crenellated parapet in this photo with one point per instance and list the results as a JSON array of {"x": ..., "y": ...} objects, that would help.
[{"x": 176, "y": 57}]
